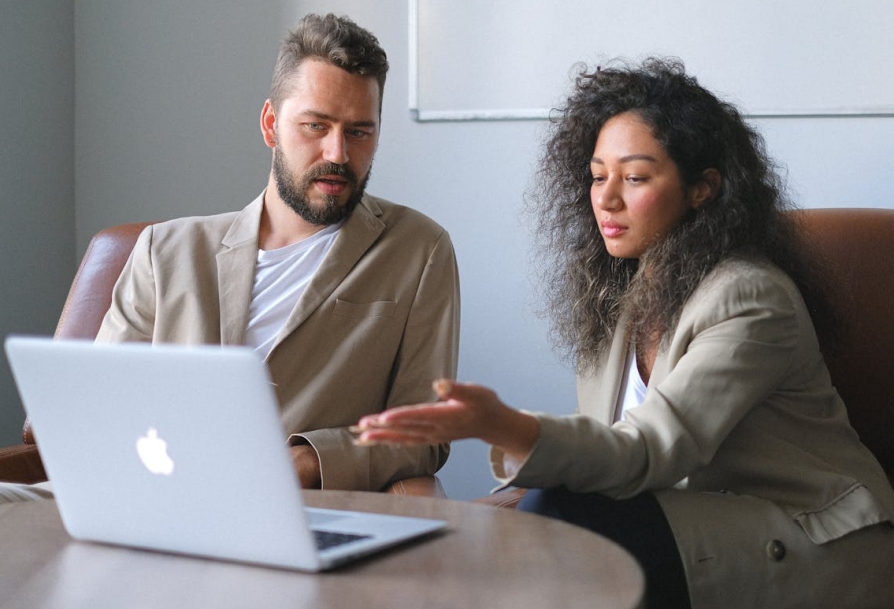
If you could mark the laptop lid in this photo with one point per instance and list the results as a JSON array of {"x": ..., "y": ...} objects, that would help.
[{"x": 179, "y": 449}]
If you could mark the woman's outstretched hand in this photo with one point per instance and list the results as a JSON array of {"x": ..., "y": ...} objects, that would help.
[{"x": 466, "y": 411}]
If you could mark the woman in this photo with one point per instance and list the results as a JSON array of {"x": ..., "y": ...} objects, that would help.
[{"x": 708, "y": 440}]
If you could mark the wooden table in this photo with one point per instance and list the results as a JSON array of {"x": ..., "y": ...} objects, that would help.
[{"x": 490, "y": 557}]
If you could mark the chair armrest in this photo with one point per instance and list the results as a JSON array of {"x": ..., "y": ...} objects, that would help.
[
  {"x": 21, "y": 463},
  {"x": 505, "y": 499},
  {"x": 420, "y": 486}
]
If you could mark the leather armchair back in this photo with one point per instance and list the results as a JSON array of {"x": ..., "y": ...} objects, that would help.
[
  {"x": 855, "y": 248},
  {"x": 90, "y": 295}
]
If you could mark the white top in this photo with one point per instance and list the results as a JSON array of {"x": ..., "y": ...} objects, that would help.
[
  {"x": 633, "y": 389},
  {"x": 281, "y": 276}
]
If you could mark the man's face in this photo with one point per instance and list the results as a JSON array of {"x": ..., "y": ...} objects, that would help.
[{"x": 325, "y": 134}]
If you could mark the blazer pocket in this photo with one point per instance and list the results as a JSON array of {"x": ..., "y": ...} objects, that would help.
[
  {"x": 850, "y": 511},
  {"x": 382, "y": 308}
]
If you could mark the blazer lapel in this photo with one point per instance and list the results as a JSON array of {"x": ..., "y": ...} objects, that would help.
[
  {"x": 235, "y": 270},
  {"x": 597, "y": 395},
  {"x": 360, "y": 231}
]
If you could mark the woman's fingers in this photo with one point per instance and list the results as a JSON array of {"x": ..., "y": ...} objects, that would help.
[
  {"x": 423, "y": 424},
  {"x": 402, "y": 434},
  {"x": 461, "y": 414}
]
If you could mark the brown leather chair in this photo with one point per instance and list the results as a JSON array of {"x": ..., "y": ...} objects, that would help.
[
  {"x": 855, "y": 248},
  {"x": 88, "y": 300}
]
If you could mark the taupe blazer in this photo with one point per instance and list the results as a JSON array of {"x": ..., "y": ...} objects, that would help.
[
  {"x": 377, "y": 323},
  {"x": 770, "y": 494}
]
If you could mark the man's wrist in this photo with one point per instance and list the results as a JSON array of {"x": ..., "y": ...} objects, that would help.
[{"x": 307, "y": 465}]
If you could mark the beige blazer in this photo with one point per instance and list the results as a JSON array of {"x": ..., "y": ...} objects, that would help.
[
  {"x": 378, "y": 322},
  {"x": 770, "y": 494}
]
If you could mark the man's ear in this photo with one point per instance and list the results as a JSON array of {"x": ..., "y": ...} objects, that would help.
[
  {"x": 706, "y": 189},
  {"x": 268, "y": 124}
]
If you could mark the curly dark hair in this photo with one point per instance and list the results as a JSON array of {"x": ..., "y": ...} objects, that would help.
[
  {"x": 586, "y": 288},
  {"x": 337, "y": 40}
]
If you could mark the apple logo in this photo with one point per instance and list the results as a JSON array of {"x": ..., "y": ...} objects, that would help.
[{"x": 153, "y": 453}]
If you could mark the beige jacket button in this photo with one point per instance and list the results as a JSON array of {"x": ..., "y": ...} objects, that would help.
[{"x": 775, "y": 550}]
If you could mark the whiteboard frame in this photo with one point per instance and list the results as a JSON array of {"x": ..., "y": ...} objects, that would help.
[{"x": 518, "y": 114}]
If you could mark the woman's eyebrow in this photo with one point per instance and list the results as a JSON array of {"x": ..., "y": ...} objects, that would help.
[{"x": 626, "y": 159}]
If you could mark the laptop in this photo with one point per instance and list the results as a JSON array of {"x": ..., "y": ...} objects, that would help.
[{"x": 181, "y": 449}]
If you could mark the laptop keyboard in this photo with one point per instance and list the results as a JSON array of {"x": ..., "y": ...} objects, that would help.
[{"x": 330, "y": 539}]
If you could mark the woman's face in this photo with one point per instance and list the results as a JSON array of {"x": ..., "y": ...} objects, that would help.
[{"x": 637, "y": 194}]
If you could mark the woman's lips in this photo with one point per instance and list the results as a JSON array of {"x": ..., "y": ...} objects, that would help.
[{"x": 612, "y": 229}]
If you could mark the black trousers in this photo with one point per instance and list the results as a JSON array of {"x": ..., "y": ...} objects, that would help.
[{"x": 637, "y": 524}]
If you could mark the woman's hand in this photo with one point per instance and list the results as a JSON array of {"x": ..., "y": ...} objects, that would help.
[{"x": 467, "y": 411}]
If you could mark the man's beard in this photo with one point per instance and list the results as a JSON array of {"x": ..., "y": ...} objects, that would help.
[{"x": 294, "y": 191}]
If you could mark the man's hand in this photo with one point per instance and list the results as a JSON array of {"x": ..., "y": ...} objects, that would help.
[{"x": 307, "y": 464}]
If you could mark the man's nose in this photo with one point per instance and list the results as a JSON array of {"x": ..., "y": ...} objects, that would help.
[{"x": 335, "y": 148}]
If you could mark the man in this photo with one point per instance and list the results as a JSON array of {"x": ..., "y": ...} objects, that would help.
[{"x": 352, "y": 300}]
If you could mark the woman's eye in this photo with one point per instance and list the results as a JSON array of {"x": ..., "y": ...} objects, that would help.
[{"x": 598, "y": 179}]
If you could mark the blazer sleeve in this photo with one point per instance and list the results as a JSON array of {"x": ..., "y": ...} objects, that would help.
[
  {"x": 131, "y": 317},
  {"x": 735, "y": 341}
]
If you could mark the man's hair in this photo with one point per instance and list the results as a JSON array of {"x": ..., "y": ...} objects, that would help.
[
  {"x": 586, "y": 287},
  {"x": 335, "y": 40}
]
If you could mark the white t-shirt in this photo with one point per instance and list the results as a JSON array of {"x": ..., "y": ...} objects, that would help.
[
  {"x": 281, "y": 276},
  {"x": 633, "y": 389}
]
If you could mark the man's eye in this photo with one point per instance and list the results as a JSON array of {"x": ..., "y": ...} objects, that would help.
[{"x": 358, "y": 133}]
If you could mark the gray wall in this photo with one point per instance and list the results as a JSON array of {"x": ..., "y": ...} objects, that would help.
[
  {"x": 37, "y": 240},
  {"x": 168, "y": 99},
  {"x": 166, "y": 123}
]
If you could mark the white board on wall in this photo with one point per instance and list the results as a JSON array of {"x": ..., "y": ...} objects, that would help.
[{"x": 510, "y": 59}]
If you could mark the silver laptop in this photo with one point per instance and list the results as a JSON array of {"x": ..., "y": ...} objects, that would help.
[{"x": 181, "y": 449}]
